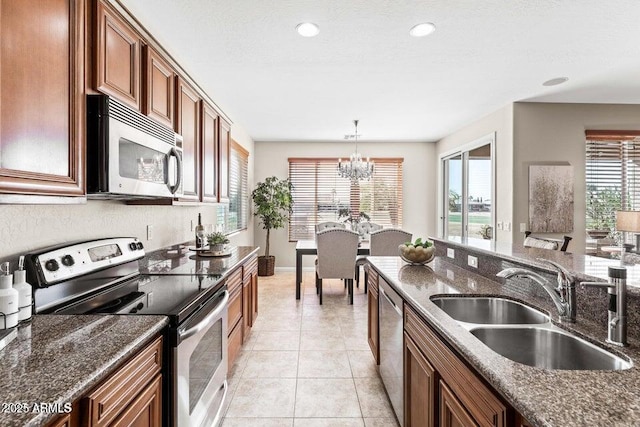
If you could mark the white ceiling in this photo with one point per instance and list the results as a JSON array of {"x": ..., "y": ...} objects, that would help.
[{"x": 364, "y": 65}]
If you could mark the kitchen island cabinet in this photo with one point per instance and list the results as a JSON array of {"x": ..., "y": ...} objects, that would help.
[
  {"x": 470, "y": 380},
  {"x": 42, "y": 102}
]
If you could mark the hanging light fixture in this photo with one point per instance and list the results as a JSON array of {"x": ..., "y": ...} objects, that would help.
[{"x": 355, "y": 169}]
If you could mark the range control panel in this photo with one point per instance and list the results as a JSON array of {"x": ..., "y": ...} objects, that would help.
[{"x": 65, "y": 263}]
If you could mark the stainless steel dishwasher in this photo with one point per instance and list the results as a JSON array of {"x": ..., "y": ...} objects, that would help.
[{"x": 391, "y": 358}]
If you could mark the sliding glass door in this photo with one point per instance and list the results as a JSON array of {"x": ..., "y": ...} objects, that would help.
[{"x": 468, "y": 208}]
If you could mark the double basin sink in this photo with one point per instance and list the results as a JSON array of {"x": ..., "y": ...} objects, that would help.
[{"x": 526, "y": 335}]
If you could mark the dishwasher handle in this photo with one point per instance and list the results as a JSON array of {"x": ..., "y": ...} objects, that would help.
[{"x": 393, "y": 304}]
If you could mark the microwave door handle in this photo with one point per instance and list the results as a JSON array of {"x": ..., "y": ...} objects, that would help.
[
  {"x": 184, "y": 334},
  {"x": 174, "y": 153}
]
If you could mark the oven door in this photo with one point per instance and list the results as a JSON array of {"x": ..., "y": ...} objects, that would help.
[
  {"x": 140, "y": 164},
  {"x": 200, "y": 368}
]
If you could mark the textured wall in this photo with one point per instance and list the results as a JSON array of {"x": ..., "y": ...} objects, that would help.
[
  {"x": 500, "y": 122},
  {"x": 419, "y": 180},
  {"x": 547, "y": 133},
  {"x": 26, "y": 227}
]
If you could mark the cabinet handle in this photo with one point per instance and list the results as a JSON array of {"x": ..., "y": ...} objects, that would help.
[{"x": 176, "y": 186}]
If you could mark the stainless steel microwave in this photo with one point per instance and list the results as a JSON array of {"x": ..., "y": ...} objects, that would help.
[{"x": 129, "y": 155}]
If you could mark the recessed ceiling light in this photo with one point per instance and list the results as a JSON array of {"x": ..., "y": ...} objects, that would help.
[
  {"x": 307, "y": 29},
  {"x": 556, "y": 81},
  {"x": 421, "y": 30}
]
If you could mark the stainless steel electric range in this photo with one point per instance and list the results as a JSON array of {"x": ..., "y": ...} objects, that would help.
[{"x": 113, "y": 276}]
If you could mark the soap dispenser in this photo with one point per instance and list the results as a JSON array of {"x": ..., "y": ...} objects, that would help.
[
  {"x": 8, "y": 299},
  {"x": 24, "y": 291}
]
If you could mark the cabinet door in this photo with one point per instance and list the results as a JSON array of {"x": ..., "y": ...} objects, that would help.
[
  {"x": 188, "y": 125},
  {"x": 159, "y": 88},
  {"x": 234, "y": 344},
  {"x": 452, "y": 413},
  {"x": 145, "y": 410},
  {"x": 254, "y": 297},
  {"x": 42, "y": 102},
  {"x": 209, "y": 153},
  {"x": 223, "y": 162},
  {"x": 372, "y": 321},
  {"x": 117, "y": 59},
  {"x": 419, "y": 387}
]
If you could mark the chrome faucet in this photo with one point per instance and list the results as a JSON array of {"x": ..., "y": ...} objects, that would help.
[
  {"x": 617, "y": 290},
  {"x": 563, "y": 296}
]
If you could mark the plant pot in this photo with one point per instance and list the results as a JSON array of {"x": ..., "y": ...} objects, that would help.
[
  {"x": 598, "y": 234},
  {"x": 218, "y": 247},
  {"x": 266, "y": 265}
]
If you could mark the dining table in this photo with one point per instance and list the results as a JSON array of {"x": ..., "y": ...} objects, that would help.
[{"x": 310, "y": 247}]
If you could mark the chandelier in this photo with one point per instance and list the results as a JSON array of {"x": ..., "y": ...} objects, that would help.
[{"x": 355, "y": 169}]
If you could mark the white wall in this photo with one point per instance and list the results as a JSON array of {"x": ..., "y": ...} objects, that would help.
[
  {"x": 28, "y": 227},
  {"x": 419, "y": 183},
  {"x": 500, "y": 122},
  {"x": 546, "y": 133}
]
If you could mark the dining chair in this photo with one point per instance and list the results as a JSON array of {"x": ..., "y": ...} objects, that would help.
[
  {"x": 364, "y": 229},
  {"x": 383, "y": 242},
  {"x": 321, "y": 226},
  {"x": 337, "y": 252}
]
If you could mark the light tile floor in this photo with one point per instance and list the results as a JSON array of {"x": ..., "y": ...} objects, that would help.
[{"x": 306, "y": 365}]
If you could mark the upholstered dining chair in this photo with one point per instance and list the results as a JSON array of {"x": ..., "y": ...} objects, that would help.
[
  {"x": 337, "y": 252},
  {"x": 364, "y": 229},
  {"x": 321, "y": 226},
  {"x": 383, "y": 242}
]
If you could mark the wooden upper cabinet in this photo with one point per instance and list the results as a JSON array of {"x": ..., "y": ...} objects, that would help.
[
  {"x": 42, "y": 103},
  {"x": 188, "y": 125},
  {"x": 223, "y": 160},
  {"x": 209, "y": 153},
  {"x": 158, "y": 87},
  {"x": 117, "y": 61}
]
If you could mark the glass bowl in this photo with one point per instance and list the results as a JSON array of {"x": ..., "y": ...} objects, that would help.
[{"x": 417, "y": 255}]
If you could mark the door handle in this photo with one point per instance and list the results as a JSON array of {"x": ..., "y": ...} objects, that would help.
[{"x": 174, "y": 153}]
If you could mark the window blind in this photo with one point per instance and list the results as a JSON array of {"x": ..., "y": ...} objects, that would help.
[
  {"x": 612, "y": 173},
  {"x": 238, "y": 216},
  {"x": 319, "y": 194}
]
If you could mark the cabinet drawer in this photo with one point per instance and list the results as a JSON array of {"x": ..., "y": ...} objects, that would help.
[
  {"x": 372, "y": 280},
  {"x": 115, "y": 394},
  {"x": 146, "y": 409},
  {"x": 250, "y": 267},
  {"x": 234, "y": 280},
  {"x": 235, "y": 307},
  {"x": 482, "y": 404},
  {"x": 234, "y": 344}
]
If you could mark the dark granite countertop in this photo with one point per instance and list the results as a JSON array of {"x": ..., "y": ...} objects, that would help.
[
  {"x": 56, "y": 359},
  {"x": 545, "y": 397}
]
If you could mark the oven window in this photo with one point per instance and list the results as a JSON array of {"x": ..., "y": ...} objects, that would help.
[
  {"x": 204, "y": 361},
  {"x": 141, "y": 163}
]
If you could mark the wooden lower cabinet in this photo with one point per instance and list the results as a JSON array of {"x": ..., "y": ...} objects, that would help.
[
  {"x": 419, "y": 387},
  {"x": 131, "y": 396},
  {"x": 373, "y": 333},
  {"x": 243, "y": 306},
  {"x": 463, "y": 398},
  {"x": 145, "y": 410},
  {"x": 452, "y": 413}
]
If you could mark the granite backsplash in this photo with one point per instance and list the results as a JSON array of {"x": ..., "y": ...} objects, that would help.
[{"x": 592, "y": 302}]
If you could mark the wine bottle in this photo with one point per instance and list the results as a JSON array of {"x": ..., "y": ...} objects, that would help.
[{"x": 199, "y": 233}]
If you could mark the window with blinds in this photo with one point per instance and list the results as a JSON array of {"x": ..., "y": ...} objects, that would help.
[
  {"x": 238, "y": 214},
  {"x": 612, "y": 173},
  {"x": 319, "y": 194}
]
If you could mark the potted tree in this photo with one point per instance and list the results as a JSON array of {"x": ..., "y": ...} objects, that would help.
[{"x": 273, "y": 201}]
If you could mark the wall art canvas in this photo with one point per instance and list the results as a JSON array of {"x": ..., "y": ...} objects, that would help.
[{"x": 551, "y": 198}]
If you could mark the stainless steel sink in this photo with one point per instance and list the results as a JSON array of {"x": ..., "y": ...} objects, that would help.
[
  {"x": 548, "y": 348},
  {"x": 489, "y": 311}
]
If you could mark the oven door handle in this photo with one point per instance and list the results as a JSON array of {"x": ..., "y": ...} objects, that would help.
[{"x": 184, "y": 334}]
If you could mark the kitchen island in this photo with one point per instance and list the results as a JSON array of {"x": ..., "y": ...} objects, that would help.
[{"x": 543, "y": 397}]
